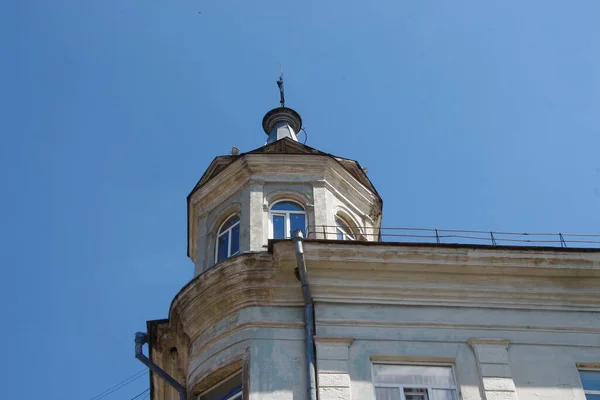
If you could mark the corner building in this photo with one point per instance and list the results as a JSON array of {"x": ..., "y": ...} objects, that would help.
[{"x": 392, "y": 320}]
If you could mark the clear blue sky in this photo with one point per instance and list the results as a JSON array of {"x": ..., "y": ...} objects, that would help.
[{"x": 468, "y": 115}]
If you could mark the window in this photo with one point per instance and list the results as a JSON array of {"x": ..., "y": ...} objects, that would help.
[
  {"x": 228, "y": 239},
  {"x": 228, "y": 389},
  {"x": 343, "y": 230},
  {"x": 590, "y": 380},
  {"x": 414, "y": 382},
  {"x": 286, "y": 217}
]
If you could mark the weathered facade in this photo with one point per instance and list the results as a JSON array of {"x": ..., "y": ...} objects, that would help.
[{"x": 405, "y": 321}]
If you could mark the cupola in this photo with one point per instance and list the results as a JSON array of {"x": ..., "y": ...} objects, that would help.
[{"x": 243, "y": 200}]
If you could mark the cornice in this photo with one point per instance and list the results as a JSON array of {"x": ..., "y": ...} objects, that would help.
[
  {"x": 250, "y": 279},
  {"x": 448, "y": 277}
]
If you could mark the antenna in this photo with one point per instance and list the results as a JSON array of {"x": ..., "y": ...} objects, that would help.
[{"x": 280, "y": 84}]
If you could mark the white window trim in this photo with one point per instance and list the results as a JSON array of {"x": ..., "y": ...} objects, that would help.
[
  {"x": 344, "y": 228},
  {"x": 286, "y": 217},
  {"x": 588, "y": 391},
  {"x": 228, "y": 232},
  {"x": 401, "y": 387}
]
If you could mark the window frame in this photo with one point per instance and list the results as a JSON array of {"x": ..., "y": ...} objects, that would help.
[
  {"x": 287, "y": 234},
  {"x": 401, "y": 387},
  {"x": 229, "y": 232},
  {"x": 344, "y": 228},
  {"x": 229, "y": 395},
  {"x": 588, "y": 391}
]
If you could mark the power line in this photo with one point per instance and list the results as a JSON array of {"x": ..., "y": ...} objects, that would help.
[
  {"x": 144, "y": 392},
  {"x": 119, "y": 385}
]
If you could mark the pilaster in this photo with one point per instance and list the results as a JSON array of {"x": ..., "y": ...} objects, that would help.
[
  {"x": 494, "y": 369},
  {"x": 332, "y": 364}
]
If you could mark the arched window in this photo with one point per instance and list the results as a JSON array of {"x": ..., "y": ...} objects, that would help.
[
  {"x": 286, "y": 217},
  {"x": 228, "y": 239},
  {"x": 343, "y": 229},
  {"x": 228, "y": 389}
]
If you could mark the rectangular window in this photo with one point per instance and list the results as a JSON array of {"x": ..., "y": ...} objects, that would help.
[
  {"x": 297, "y": 221},
  {"x": 278, "y": 226},
  {"x": 414, "y": 382},
  {"x": 590, "y": 380}
]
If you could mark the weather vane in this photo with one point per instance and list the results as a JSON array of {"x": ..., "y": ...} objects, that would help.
[{"x": 280, "y": 84}]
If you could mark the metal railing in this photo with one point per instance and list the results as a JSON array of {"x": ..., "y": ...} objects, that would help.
[{"x": 454, "y": 236}]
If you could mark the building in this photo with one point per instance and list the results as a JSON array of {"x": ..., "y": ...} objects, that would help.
[{"x": 389, "y": 320}]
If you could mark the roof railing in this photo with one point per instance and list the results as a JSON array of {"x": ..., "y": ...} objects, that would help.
[{"x": 455, "y": 236}]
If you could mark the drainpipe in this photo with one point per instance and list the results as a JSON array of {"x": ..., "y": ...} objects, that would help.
[
  {"x": 140, "y": 339},
  {"x": 309, "y": 317}
]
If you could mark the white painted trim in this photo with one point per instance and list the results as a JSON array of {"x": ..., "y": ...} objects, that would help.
[
  {"x": 286, "y": 215},
  {"x": 420, "y": 364}
]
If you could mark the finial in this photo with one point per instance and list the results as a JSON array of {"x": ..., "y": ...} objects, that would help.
[
  {"x": 281, "y": 122},
  {"x": 280, "y": 84}
]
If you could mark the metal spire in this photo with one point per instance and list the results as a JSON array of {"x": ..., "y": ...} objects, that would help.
[
  {"x": 280, "y": 84},
  {"x": 282, "y": 122}
]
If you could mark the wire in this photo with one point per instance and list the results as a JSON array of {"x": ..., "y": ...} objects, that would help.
[
  {"x": 305, "y": 135},
  {"x": 144, "y": 392},
  {"x": 119, "y": 385}
]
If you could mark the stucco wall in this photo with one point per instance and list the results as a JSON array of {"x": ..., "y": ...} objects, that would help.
[
  {"x": 321, "y": 200},
  {"x": 514, "y": 323},
  {"x": 543, "y": 347},
  {"x": 268, "y": 340},
  {"x": 541, "y": 361}
]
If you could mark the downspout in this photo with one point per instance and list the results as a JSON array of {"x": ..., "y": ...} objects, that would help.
[
  {"x": 140, "y": 339},
  {"x": 309, "y": 318}
]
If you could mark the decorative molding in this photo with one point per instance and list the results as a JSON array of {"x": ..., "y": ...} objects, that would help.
[
  {"x": 588, "y": 365},
  {"x": 340, "y": 340},
  {"x": 411, "y": 359},
  {"x": 493, "y": 342},
  {"x": 460, "y": 325}
]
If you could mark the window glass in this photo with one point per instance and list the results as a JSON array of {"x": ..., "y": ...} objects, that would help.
[
  {"x": 286, "y": 206},
  {"x": 235, "y": 239},
  {"x": 223, "y": 247},
  {"x": 286, "y": 217},
  {"x": 413, "y": 374},
  {"x": 297, "y": 221},
  {"x": 590, "y": 380},
  {"x": 229, "y": 389},
  {"x": 230, "y": 222},
  {"x": 228, "y": 239},
  {"x": 278, "y": 226},
  {"x": 343, "y": 230},
  {"x": 415, "y": 394},
  {"x": 414, "y": 382},
  {"x": 387, "y": 394},
  {"x": 443, "y": 394}
]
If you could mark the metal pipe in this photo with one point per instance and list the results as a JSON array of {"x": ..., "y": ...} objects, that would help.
[
  {"x": 140, "y": 339},
  {"x": 309, "y": 318}
]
